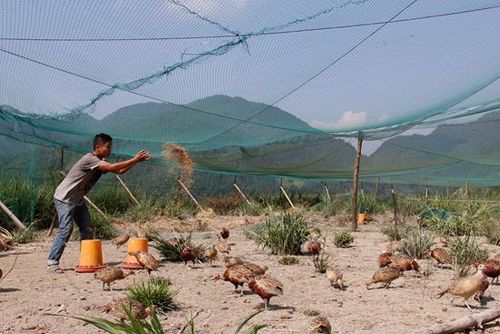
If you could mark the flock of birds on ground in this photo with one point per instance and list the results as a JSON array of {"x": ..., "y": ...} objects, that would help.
[{"x": 238, "y": 272}]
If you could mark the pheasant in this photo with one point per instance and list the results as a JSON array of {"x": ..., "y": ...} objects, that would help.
[
  {"x": 187, "y": 254},
  {"x": 230, "y": 261},
  {"x": 224, "y": 233},
  {"x": 384, "y": 259},
  {"x": 111, "y": 274},
  {"x": 491, "y": 269},
  {"x": 211, "y": 254},
  {"x": 404, "y": 264},
  {"x": 466, "y": 287},
  {"x": 266, "y": 287},
  {"x": 484, "y": 286},
  {"x": 121, "y": 239},
  {"x": 335, "y": 277},
  {"x": 223, "y": 247},
  {"x": 321, "y": 325},
  {"x": 440, "y": 255},
  {"x": 384, "y": 275},
  {"x": 238, "y": 275},
  {"x": 256, "y": 269},
  {"x": 146, "y": 260},
  {"x": 310, "y": 247}
]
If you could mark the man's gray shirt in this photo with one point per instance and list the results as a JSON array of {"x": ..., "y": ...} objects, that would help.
[{"x": 80, "y": 179}]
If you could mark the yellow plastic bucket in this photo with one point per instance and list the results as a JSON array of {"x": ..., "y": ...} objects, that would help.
[
  {"x": 90, "y": 256},
  {"x": 134, "y": 245}
]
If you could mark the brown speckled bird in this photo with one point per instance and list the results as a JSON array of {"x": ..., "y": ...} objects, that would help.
[
  {"x": 404, "y": 263},
  {"x": 440, "y": 255},
  {"x": 491, "y": 269},
  {"x": 230, "y": 261},
  {"x": 266, "y": 287},
  {"x": 224, "y": 233},
  {"x": 211, "y": 254},
  {"x": 146, "y": 260},
  {"x": 484, "y": 286},
  {"x": 223, "y": 247},
  {"x": 321, "y": 325},
  {"x": 121, "y": 239},
  {"x": 187, "y": 254},
  {"x": 111, "y": 274},
  {"x": 256, "y": 269},
  {"x": 384, "y": 259},
  {"x": 116, "y": 308},
  {"x": 238, "y": 275},
  {"x": 466, "y": 287},
  {"x": 384, "y": 275},
  {"x": 334, "y": 275},
  {"x": 310, "y": 247}
]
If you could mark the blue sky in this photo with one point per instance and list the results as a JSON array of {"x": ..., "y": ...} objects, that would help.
[{"x": 405, "y": 71}]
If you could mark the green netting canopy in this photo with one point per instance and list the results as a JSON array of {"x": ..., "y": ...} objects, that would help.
[{"x": 274, "y": 88}]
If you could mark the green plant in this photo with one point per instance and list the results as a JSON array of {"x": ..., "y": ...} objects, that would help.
[
  {"x": 288, "y": 260},
  {"x": 146, "y": 210},
  {"x": 25, "y": 236},
  {"x": 283, "y": 233},
  {"x": 417, "y": 242},
  {"x": 311, "y": 313},
  {"x": 322, "y": 263},
  {"x": 102, "y": 226},
  {"x": 179, "y": 207},
  {"x": 224, "y": 205},
  {"x": 371, "y": 205},
  {"x": 467, "y": 222},
  {"x": 392, "y": 232},
  {"x": 464, "y": 251},
  {"x": 329, "y": 206},
  {"x": 112, "y": 199},
  {"x": 343, "y": 239},
  {"x": 171, "y": 249},
  {"x": 491, "y": 230},
  {"x": 155, "y": 292}
]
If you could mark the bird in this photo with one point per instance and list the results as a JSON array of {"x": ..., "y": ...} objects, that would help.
[
  {"x": 238, "y": 275},
  {"x": 223, "y": 247},
  {"x": 187, "y": 254},
  {"x": 230, "y": 261},
  {"x": 491, "y": 269},
  {"x": 484, "y": 286},
  {"x": 384, "y": 259},
  {"x": 224, "y": 233},
  {"x": 266, "y": 287},
  {"x": 310, "y": 247},
  {"x": 334, "y": 275},
  {"x": 117, "y": 308},
  {"x": 1, "y": 273},
  {"x": 146, "y": 260},
  {"x": 121, "y": 239},
  {"x": 384, "y": 275},
  {"x": 466, "y": 287},
  {"x": 321, "y": 325},
  {"x": 440, "y": 255},
  {"x": 404, "y": 263},
  {"x": 254, "y": 268},
  {"x": 111, "y": 274},
  {"x": 211, "y": 254}
]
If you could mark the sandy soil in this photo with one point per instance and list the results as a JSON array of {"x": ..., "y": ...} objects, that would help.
[{"x": 408, "y": 305}]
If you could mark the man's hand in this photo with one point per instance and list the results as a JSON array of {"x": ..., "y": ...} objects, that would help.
[{"x": 142, "y": 155}]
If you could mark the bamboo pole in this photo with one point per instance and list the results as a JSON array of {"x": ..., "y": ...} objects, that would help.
[
  {"x": 127, "y": 189},
  {"x": 327, "y": 193},
  {"x": 395, "y": 206},
  {"x": 241, "y": 193},
  {"x": 375, "y": 193},
  {"x": 12, "y": 216},
  {"x": 191, "y": 196},
  {"x": 354, "y": 225},
  {"x": 426, "y": 192},
  {"x": 462, "y": 324},
  {"x": 287, "y": 198}
]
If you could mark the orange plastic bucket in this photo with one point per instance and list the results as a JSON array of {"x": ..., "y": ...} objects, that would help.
[
  {"x": 362, "y": 218},
  {"x": 90, "y": 256},
  {"x": 134, "y": 245}
]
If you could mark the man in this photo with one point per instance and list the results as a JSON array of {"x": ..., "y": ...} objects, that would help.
[{"x": 68, "y": 197}]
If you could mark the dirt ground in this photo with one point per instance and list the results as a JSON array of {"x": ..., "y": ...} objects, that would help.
[{"x": 408, "y": 305}]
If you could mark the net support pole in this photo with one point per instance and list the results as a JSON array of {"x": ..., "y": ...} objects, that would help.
[
  {"x": 127, "y": 190},
  {"x": 191, "y": 196},
  {"x": 375, "y": 192},
  {"x": 12, "y": 216},
  {"x": 327, "y": 193},
  {"x": 241, "y": 193},
  {"x": 426, "y": 192},
  {"x": 354, "y": 225},
  {"x": 287, "y": 198},
  {"x": 394, "y": 205}
]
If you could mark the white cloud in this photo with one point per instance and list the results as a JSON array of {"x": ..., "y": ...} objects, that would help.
[{"x": 349, "y": 119}]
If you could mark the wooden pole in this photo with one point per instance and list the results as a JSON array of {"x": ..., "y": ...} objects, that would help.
[
  {"x": 191, "y": 196},
  {"x": 464, "y": 323},
  {"x": 12, "y": 216},
  {"x": 375, "y": 193},
  {"x": 327, "y": 193},
  {"x": 395, "y": 206},
  {"x": 426, "y": 192},
  {"x": 354, "y": 225},
  {"x": 127, "y": 190},
  {"x": 241, "y": 193},
  {"x": 287, "y": 198}
]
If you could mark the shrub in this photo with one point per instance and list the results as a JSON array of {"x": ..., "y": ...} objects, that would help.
[
  {"x": 24, "y": 236},
  {"x": 179, "y": 207},
  {"x": 224, "y": 205},
  {"x": 343, "y": 239},
  {"x": 288, "y": 260},
  {"x": 155, "y": 292},
  {"x": 468, "y": 222},
  {"x": 322, "y": 263},
  {"x": 464, "y": 251},
  {"x": 371, "y": 205},
  {"x": 283, "y": 233},
  {"x": 417, "y": 242},
  {"x": 111, "y": 199},
  {"x": 491, "y": 230},
  {"x": 148, "y": 209},
  {"x": 394, "y": 233},
  {"x": 103, "y": 227},
  {"x": 171, "y": 249}
]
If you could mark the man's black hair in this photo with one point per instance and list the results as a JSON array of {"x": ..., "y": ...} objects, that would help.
[{"x": 101, "y": 139}]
